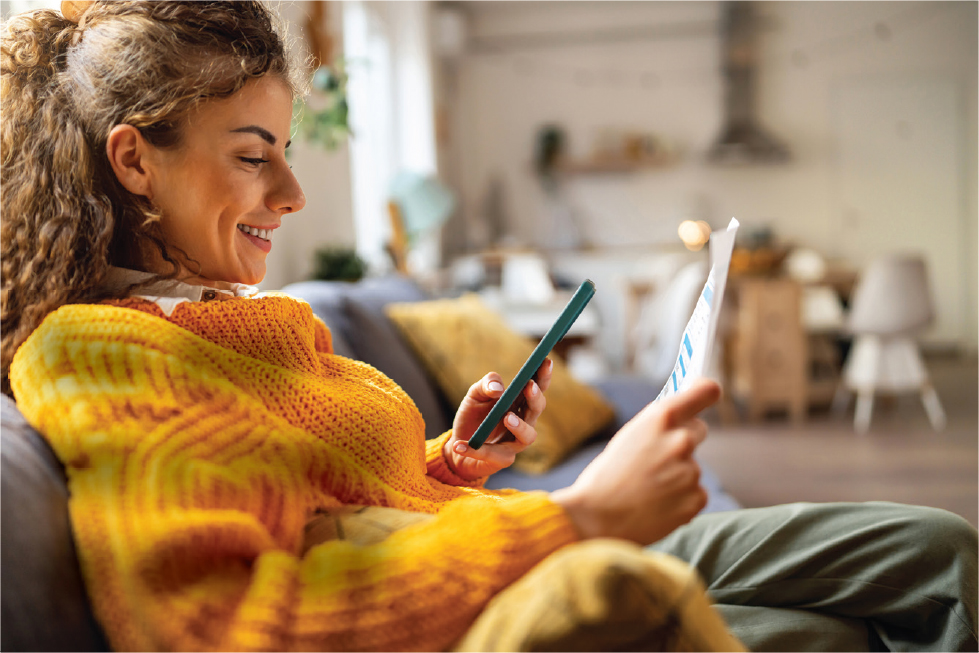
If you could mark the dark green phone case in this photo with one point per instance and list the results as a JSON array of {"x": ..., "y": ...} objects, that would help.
[{"x": 514, "y": 391}]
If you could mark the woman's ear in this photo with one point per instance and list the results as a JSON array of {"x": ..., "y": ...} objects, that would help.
[{"x": 130, "y": 158}]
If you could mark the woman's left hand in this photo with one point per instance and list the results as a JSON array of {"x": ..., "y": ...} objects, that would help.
[{"x": 513, "y": 435}]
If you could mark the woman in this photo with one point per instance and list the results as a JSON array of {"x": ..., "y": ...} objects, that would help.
[{"x": 206, "y": 429}]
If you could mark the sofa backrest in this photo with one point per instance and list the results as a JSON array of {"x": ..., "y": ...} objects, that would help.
[{"x": 44, "y": 604}]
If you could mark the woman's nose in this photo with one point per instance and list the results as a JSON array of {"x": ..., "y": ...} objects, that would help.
[{"x": 288, "y": 196}]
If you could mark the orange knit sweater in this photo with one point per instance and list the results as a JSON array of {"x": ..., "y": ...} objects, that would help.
[{"x": 198, "y": 446}]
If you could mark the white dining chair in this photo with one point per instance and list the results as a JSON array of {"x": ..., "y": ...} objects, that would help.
[{"x": 891, "y": 305}]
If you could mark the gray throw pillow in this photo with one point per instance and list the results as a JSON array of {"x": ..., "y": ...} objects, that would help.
[
  {"x": 376, "y": 342},
  {"x": 44, "y": 604}
]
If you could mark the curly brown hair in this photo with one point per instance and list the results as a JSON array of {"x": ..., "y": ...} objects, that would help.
[{"x": 63, "y": 87}]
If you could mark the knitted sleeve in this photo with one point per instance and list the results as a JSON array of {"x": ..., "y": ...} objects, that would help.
[
  {"x": 189, "y": 500},
  {"x": 435, "y": 461}
]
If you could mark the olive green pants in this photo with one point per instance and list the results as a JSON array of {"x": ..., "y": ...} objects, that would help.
[
  {"x": 843, "y": 577},
  {"x": 839, "y": 576}
]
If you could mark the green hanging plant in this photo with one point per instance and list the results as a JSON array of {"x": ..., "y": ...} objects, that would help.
[{"x": 328, "y": 125}]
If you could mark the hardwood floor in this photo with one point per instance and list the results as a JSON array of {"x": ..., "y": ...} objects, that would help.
[{"x": 899, "y": 459}]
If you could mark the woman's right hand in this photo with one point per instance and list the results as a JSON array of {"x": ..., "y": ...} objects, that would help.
[{"x": 646, "y": 482}]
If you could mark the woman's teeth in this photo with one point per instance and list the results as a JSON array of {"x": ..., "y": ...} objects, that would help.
[{"x": 264, "y": 234}]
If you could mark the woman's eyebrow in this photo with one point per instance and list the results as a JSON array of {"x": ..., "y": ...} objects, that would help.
[{"x": 263, "y": 133}]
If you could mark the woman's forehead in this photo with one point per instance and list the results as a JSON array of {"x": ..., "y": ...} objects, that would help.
[{"x": 265, "y": 102}]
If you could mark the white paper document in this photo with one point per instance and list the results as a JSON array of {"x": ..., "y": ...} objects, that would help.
[{"x": 698, "y": 336}]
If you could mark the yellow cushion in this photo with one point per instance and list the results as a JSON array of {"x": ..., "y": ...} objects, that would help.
[{"x": 460, "y": 340}]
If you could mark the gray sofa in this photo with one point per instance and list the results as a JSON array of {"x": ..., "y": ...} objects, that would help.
[{"x": 44, "y": 606}]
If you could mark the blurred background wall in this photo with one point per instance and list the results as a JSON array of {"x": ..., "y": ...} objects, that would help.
[{"x": 876, "y": 102}]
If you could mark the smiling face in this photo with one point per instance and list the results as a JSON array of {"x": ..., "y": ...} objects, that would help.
[{"x": 224, "y": 189}]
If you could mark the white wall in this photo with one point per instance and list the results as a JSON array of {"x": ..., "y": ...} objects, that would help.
[
  {"x": 671, "y": 85},
  {"x": 327, "y": 219}
]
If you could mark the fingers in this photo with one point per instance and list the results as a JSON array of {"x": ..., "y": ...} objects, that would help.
[
  {"x": 681, "y": 482},
  {"x": 692, "y": 434},
  {"x": 516, "y": 432},
  {"x": 682, "y": 442},
  {"x": 544, "y": 374},
  {"x": 497, "y": 455},
  {"x": 692, "y": 503},
  {"x": 524, "y": 435},
  {"x": 536, "y": 402},
  {"x": 488, "y": 388},
  {"x": 523, "y": 431},
  {"x": 683, "y": 407},
  {"x": 682, "y": 474}
]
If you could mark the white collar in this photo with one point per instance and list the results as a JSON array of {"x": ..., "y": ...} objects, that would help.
[{"x": 167, "y": 293}]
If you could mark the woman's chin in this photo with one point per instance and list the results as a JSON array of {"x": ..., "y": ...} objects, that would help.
[
  {"x": 257, "y": 275},
  {"x": 251, "y": 279},
  {"x": 250, "y": 269}
]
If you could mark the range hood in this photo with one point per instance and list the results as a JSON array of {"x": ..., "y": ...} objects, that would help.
[{"x": 742, "y": 140}]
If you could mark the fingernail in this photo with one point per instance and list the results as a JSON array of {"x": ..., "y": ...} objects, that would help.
[
  {"x": 495, "y": 386},
  {"x": 460, "y": 447},
  {"x": 511, "y": 420},
  {"x": 533, "y": 389}
]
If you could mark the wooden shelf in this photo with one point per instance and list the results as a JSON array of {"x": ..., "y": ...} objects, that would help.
[{"x": 614, "y": 165}]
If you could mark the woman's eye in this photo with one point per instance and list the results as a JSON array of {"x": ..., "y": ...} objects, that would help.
[{"x": 253, "y": 162}]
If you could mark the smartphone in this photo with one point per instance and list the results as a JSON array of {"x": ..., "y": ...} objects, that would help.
[{"x": 513, "y": 397}]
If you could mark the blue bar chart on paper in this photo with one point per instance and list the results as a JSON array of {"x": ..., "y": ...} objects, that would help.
[{"x": 698, "y": 336}]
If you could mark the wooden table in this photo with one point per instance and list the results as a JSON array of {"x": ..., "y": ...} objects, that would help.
[{"x": 767, "y": 352}]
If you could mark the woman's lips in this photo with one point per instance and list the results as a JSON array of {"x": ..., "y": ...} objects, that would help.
[{"x": 264, "y": 245}]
